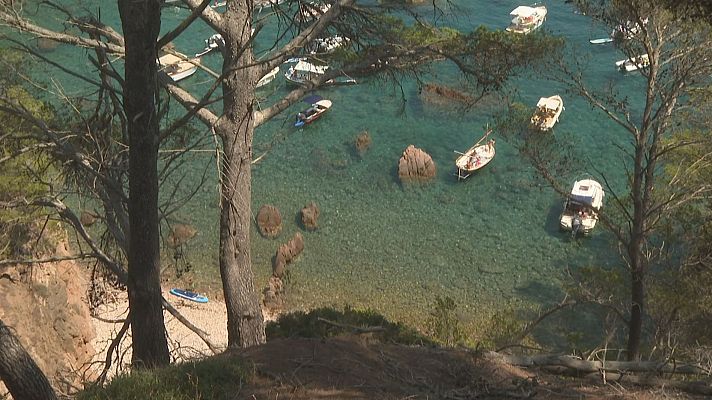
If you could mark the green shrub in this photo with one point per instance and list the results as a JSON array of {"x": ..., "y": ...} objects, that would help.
[
  {"x": 443, "y": 324},
  {"x": 213, "y": 378}
]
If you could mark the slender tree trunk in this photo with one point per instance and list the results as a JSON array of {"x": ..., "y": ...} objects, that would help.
[
  {"x": 141, "y": 23},
  {"x": 19, "y": 372},
  {"x": 635, "y": 249},
  {"x": 635, "y": 327},
  {"x": 245, "y": 322}
]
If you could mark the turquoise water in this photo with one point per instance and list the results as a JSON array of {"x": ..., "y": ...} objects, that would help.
[{"x": 489, "y": 240}]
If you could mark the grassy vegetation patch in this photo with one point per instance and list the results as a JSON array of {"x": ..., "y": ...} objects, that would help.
[{"x": 217, "y": 378}]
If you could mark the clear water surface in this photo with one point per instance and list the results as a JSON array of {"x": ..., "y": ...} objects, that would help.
[{"x": 486, "y": 241}]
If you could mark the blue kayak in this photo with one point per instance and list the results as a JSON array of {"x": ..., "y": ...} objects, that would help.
[{"x": 188, "y": 295}]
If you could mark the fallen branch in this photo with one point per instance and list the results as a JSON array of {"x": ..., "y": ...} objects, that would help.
[{"x": 585, "y": 367}]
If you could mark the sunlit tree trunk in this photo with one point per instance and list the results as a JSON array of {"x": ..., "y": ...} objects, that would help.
[{"x": 245, "y": 322}]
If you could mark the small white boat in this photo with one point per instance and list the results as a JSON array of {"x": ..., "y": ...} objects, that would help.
[
  {"x": 260, "y": 5},
  {"x": 581, "y": 208},
  {"x": 547, "y": 113},
  {"x": 318, "y": 107},
  {"x": 268, "y": 78},
  {"x": 475, "y": 157},
  {"x": 178, "y": 67},
  {"x": 601, "y": 40},
  {"x": 634, "y": 63},
  {"x": 527, "y": 19},
  {"x": 214, "y": 42},
  {"x": 304, "y": 71},
  {"x": 327, "y": 45}
]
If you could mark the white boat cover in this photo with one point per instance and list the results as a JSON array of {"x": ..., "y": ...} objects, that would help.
[
  {"x": 304, "y": 66},
  {"x": 552, "y": 103},
  {"x": 524, "y": 11},
  {"x": 588, "y": 192}
]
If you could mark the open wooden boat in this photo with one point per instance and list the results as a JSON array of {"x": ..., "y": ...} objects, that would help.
[
  {"x": 318, "y": 107},
  {"x": 548, "y": 110},
  {"x": 475, "y": 157},
  {"x": 178, "y": 67}
]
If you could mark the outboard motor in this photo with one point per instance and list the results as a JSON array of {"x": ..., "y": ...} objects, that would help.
[{"x": 575, "y": 225}]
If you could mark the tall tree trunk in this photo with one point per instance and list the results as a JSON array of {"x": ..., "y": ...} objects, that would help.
[
  {"x": 245, "y": 322},
  {"x": 141, "y": 23},
  {"x": 19, "y": 372}
]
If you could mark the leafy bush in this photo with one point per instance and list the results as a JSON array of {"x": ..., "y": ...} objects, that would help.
[{"x": 213, "y": 378}]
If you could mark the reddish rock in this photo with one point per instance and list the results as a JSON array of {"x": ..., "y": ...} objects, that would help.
[
  {"x": 274, "y": 294},
  {"x": 286, "y": 254},
  {"x": 310, "y": 216},
  {"x": 415, "y": 165},
  {"x": 269, "y": 221},
  {"x": 362, "y": 142}
]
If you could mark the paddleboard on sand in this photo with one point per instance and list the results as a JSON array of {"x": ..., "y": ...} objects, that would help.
[
  {"x": 600, "y": 41},
  {"x": 188, "y": 295}
]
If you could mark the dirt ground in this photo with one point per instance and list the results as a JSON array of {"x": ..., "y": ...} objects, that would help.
[{"x": 359, "y": 367}]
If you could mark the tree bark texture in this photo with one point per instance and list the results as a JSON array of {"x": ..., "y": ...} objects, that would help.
[
  {"x": 19, "y": 372},
  {"x": 245, "y": 322},
  {"x": 141, "y": 23}
]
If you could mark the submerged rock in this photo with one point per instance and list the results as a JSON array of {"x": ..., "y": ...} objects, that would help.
[
  {"x": 440, "y": 93},
  {"x": 310, "y": 216},
  {"x": 362, "y": 142},
  {"x": 416, "y": 165},
  {"x": 269, "y": 221},
  {"x": 286, "y": 254}
]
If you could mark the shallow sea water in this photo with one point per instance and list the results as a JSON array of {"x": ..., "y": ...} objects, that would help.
[{"x": 489, "y": 240}]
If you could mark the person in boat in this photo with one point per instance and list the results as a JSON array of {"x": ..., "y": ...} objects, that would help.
[
  {"x": 490, "y": 145},
  {"x": 469, "y": 163}
]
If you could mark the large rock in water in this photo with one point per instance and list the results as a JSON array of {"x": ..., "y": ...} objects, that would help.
[
  {"x": 415, "y": 165},
  {"x": 269, "y": 220},
  {"x": 286, "y": 253}
]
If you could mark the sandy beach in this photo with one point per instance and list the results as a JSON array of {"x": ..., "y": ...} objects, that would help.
[{"x": 184, "y": 345}]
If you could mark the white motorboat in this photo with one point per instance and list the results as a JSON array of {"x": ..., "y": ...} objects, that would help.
[
  {"x": 548, "y": 110},
  {"x": 304, "y": 71},
  {"x": 633, "y": 63},
  {"x": 527, "y": 19},
  {"x": 581, "y": 207},
  {"x": 177, "y": 65}
]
